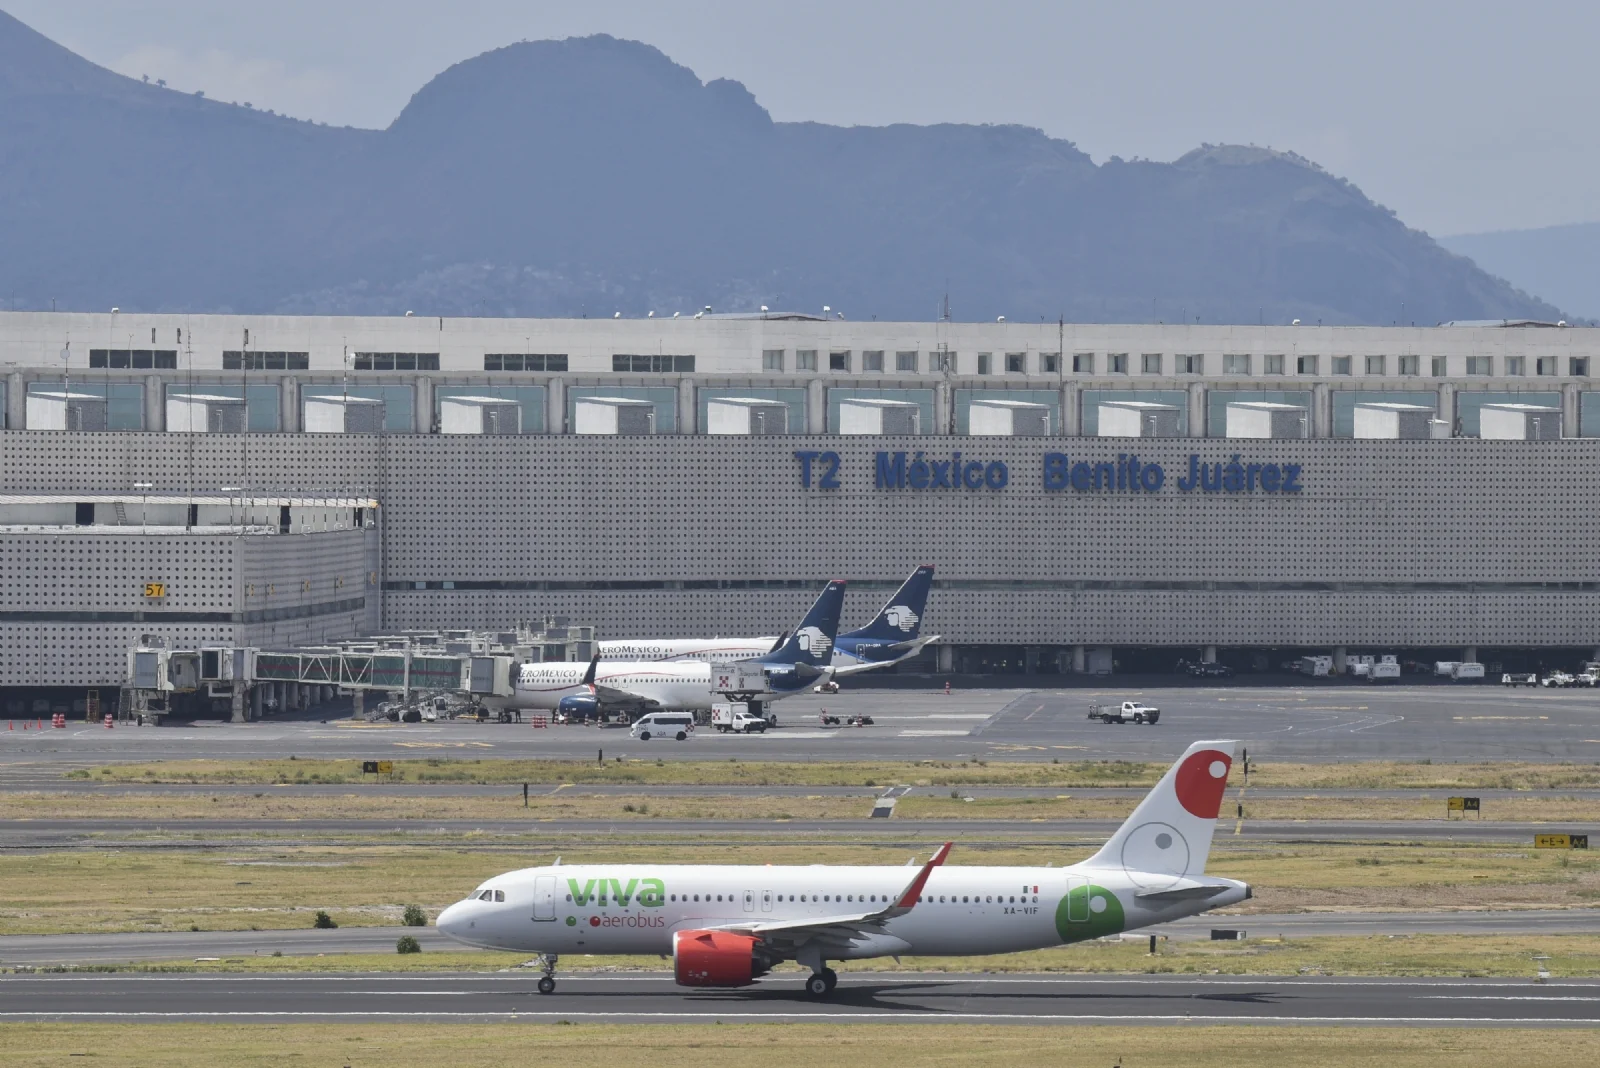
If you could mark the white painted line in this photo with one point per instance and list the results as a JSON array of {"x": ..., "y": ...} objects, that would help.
[
  {"x": 934, "y": 734},
  {"x": 900, "y": 1016}
]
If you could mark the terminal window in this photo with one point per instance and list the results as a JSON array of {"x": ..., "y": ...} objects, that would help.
[
  {"x": 1516, "y": 365},
  {"x": 1236, "y": 364},
  {"x": 1305, "y": 365},
  {"x": 983, "y": 362},
  {"x": 1545, "y": 365},
  {"x": 1272, "y": 364},
  {"x": 1050, "y": 363},
  {"x": 141, "y": 359},
  {"x": 1116, "y": 363},
  {"x": 872, "y": 360},
  {"x": 1377, "y": 365},
  {"x": 1440, "y": 367},
  {"x": 1189, "y": 364},
  {"x": 266, "y": 361},
  {"x": 905, "y": 361},
  {"x": 1480, "y": 365},
  {"x": 525, "y": 361},
  {"x": 1016, "y": 363},
  {"x": 1578, "y": 366},
  {"x": 839, "y": 361},
  {"x": 1150, "y": 363},
  {"x": 943, "y": 362},
  {"x": 396, "y": 361},
  {"x": 1410, "y": 365},
  {"x": 652, "y": 364},
  {"x": 1083, "y": 363},
  {"x": 805, "y": 360},
  {"x": 772, "y": 359},
  {"x": 1341, "y": 365}
]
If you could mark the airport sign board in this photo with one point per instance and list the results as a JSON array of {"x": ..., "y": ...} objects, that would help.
[{"x": 1057, "y": 472}]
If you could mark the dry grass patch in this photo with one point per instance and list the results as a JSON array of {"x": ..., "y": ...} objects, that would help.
[
  {"x": 901, "y": 1045},
  {"x": 265, "y": 882},
  {"x": 1078, "y": 774}
]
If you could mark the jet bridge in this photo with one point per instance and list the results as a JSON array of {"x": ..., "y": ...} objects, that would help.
[{"x": 256, "y": 682}]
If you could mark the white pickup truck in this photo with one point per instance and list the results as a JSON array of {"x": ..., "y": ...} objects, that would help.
[
  {"x": 1127, "y": 712},
  {"x": 736, "y": 717}
]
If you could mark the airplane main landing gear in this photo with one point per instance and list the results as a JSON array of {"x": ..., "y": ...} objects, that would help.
[
  {"x": 547, "y": 982},
  {"x": 821, "y": 984}
]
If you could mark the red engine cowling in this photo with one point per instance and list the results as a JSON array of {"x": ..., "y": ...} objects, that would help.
[{"x": 716, "y": 958}]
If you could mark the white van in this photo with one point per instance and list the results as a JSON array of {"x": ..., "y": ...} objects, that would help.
[{"x": 679, "y": 725}]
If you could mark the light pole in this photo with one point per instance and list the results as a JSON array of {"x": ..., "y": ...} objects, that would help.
[{"x": 144, "y": 501}]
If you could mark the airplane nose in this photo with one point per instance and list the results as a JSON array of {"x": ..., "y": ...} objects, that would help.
[{"x": 450, "y": 921}]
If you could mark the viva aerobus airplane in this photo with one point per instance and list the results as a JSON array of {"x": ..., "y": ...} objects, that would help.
[
  {"x": 892, "y": 636},
  {"x": 583, "y": 691},
  {"x": 727, "y": 925}
]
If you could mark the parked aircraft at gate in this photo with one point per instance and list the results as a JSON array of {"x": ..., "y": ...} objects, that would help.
[
  {"x": 727, "y": 925},
  {"x": 892, "y": 636},
  {"x": 594, "y": 688}
]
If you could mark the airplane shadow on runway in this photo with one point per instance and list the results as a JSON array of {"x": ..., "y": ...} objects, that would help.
[{"x": 893, "y": 996}]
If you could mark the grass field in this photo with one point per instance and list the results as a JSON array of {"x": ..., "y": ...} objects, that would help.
[
  {"x": 1072, "y": 774},
  {"x": 903, "y": 1045},
  {"x": 1494, "y": 956},
  {"x": 269, "y": 882},
  {"x": 281, "y": 802}
]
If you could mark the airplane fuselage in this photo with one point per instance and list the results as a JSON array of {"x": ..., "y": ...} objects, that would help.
[
  {"x": 621, "y": 908},
  {"x": 850, "y": 655}
]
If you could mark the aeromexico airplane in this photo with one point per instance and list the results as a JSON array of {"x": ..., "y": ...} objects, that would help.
[
  {"x": 727, "y": 925},
  {"x": 585, "y": 690},
  {"x": 892, "y": 636}
]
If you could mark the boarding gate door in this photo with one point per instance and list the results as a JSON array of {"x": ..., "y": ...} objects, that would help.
[
  {"x": 544, "y": 897},
  {"x": 1077, "y": 899}
]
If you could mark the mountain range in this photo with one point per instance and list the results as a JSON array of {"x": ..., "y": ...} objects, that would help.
[{"x": 594, "y": 175}]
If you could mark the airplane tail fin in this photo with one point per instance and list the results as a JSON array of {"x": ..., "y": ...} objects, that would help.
[
  {"x": 1168, "y": 837},
  {"x": 811, "y": 644},
  {"x": 901, "y": 618}
]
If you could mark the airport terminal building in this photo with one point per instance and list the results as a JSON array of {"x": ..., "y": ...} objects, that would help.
[{"x": 1093, "y": 496}]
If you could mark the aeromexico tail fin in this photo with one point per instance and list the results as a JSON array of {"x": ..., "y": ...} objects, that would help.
[
  {"x": 812, "y": 641},
  {"x": 901, "y": 617},
  {"x": 1168, "y": 837}
]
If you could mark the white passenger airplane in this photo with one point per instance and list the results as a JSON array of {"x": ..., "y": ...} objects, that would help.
[
  {"x": 727, "y": 925},
  {"x": 585, "y": 690},
  {"x": 892, "y": 636}
]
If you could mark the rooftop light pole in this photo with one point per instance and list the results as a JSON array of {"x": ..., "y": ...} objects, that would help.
[{"x": 144, "y": 501}]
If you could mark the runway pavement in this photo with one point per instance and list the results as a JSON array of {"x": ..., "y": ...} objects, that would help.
[
  {"x": 866, "y": 997},
  {"x": 92, "y": 949},
  {"x": 1312, "y": 722}
]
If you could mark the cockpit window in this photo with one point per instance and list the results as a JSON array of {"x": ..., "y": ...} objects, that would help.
[
  {"x": 487, "y": 895},
  {"x": 499, "y": 895}
]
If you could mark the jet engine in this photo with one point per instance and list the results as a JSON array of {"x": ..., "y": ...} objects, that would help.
[
  {"x": 579, "y": 706},
  {"x": 717, "y": 958}
]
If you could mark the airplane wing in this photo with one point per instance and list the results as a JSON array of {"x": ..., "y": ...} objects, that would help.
[
  {"x": 845, "y": 928},
  {"x": 617, "y": 695},
  {"x": 901, "y": 651},
  {"x": 614, "y": 694}
]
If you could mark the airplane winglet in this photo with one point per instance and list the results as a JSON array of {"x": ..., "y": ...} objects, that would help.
[
  {"x": 914, "y": 891},
  {"x": 588, "y": 676}
]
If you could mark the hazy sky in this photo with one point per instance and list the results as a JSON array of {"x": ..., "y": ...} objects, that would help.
[{"x": 1462, "y": 116}]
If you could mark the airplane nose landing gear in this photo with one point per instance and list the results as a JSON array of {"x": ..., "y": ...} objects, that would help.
[{"x": 547, "y": 982}]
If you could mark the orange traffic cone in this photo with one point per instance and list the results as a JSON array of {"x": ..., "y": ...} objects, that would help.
[{"x": 12, "y": 725}]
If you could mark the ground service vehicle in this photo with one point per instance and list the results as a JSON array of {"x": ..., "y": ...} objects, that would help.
[
  {"x": 727, "y": 925},
  {"x": 1211, "y": 670},
  {"x": 1556, "y": 679},
  {"x": 737, "y": 717},
  {"x": 1127, "y": 712},
  {"x": 1516, "y": 678},
  {"x": 676, "y": 725}
]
